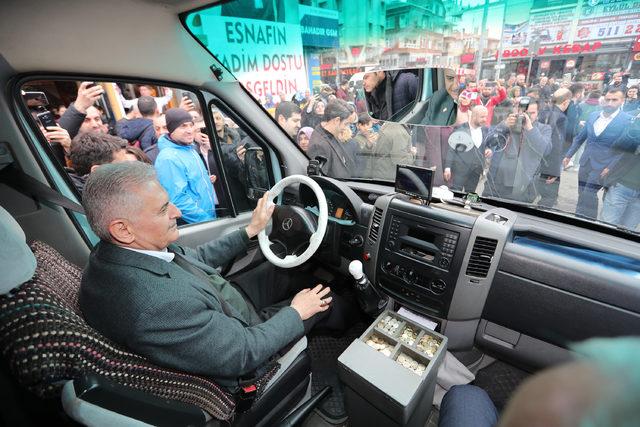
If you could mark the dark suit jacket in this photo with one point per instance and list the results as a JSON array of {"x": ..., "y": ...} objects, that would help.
[
  {"x": 442, "y": 110},
  {"x": 322, "y": 143},
  {"x": 470, "y": 160},
  {"x": 160, "y": 311},
  {"x": 598, "y": 152}
]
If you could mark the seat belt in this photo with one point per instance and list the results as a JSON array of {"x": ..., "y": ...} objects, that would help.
[{"x": 28, "y": 185}]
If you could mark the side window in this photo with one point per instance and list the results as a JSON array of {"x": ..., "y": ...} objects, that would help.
[
  {"x": 86, "y": 124},
  {"x": 243, "y": 160}
]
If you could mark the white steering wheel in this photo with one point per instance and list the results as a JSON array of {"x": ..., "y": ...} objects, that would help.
[{"x": 293, "y": 226}]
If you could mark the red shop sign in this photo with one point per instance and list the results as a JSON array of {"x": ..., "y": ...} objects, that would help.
[{"x": 555, "y": 50}]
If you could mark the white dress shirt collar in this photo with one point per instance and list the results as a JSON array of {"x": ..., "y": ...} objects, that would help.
[
  {"x": 164, "y": 255},
  {"x": 602, "y": 122}
]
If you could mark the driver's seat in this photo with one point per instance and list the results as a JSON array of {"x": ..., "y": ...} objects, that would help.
[{"x": 53, "y": 352}]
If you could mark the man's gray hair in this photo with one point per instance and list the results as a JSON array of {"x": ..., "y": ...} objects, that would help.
[{"x": 109, "y": 193}]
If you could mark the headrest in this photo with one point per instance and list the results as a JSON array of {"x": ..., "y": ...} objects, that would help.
[{"x": 17, "y": 262}]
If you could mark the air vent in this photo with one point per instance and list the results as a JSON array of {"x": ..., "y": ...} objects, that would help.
[
  {"x": 375, "y": 225},
  {"x": 481, "y": 256}
]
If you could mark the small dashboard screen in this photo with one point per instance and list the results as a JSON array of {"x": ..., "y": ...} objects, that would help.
[{"x": 414, "y": 181}]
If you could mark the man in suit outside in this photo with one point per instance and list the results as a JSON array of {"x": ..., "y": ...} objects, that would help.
[
  {"x": 169, "y": 303},
  {"x": 462, "y": 169},
  {"x": 447, "y": 107},
  {"x": 338, "y": 115},
  {"x": 548, "y": 182},
  {"x": 602, "y": 129},
  {"x": 621, "y": 205}
]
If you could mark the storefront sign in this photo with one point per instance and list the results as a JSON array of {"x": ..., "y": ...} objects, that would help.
[
  {"x": 545, "y": 65},
  {"x": 319, "y": 27},
  {"x": 636, "y": 57},
  {"x": 551, "y": 26},
  {"x": 467, "y": 58},
  {"x": 601, "y": 8},
  {"x": 313, "y": 64},
  {"x": 597, "y": 76},
  {"x": 571, "y": 63},
  {"x": 636, "y": 44},
  {"x": 515, "y": 35},
  {"x": 266, "y": 57},
  {"x": 553, "y": 50},
  {"x": 608, "y": 27},
  {"x": 327, "y": 70}
]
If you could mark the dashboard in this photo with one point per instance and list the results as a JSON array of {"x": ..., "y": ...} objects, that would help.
[
  {"x": 339, "y": 207},
  {"x": 472, "y": 269}
]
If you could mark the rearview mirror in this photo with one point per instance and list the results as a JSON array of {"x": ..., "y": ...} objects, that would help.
[{"x": 418, "y": 96}]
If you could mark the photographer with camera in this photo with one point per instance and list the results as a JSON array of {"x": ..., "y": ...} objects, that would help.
[{"x": 519, "y": 144}]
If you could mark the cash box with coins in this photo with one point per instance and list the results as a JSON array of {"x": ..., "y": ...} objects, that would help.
[{"x": 389, "y": 373}]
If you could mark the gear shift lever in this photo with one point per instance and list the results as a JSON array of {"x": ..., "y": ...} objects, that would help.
[{"x": 369, "y": 299}]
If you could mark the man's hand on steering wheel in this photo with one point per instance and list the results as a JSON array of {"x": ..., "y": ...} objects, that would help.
[{"x": 261, "y": 216}]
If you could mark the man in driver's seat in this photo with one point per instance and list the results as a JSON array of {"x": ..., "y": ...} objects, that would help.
[{"x": 169, "y": 303}]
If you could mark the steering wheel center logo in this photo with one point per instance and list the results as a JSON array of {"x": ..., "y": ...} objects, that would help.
[{"x": 287, "y": 223}]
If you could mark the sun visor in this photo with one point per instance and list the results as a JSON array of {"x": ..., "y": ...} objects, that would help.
[{"x": 17, "y": 262}]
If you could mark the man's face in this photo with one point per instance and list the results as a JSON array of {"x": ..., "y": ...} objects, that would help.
[
  {"x": 218, "y": 120},
  {"x": 372, "y": 80},
  {"x": 632, "y": 93},
  {"x": 612, "y": 101},
  {"x": 472, "y": 85},
  {"x": 532, "y": 111},
  {"x": 486, "y": 91},
  {"x": 617, "y": 79},
  {"x": 290, "y": 125},
  {"x": 145, "y": 91},
  {"x": 365, "y": 128},
  {"x": 160, "y": 125},
  {"x": 520, "y": 79},
  {"x": 480, "y": 117},
  {"x": 184, "y": 134},
  {"x": 154, "y": 225},
  {"x": 543, "y": 81},
  {"x": 451, "y": 83},
  {"x": 92, "y": 121}
]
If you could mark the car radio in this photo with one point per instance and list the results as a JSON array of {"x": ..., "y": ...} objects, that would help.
[
  {"x": 424, "y": 243},
  {"x": 419, "y": 260}
]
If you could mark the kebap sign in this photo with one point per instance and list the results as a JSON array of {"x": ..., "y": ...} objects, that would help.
[{"x": 266, "y": 57}]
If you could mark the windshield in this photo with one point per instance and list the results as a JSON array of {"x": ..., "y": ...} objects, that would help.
[{"x": 532, "y": 101}]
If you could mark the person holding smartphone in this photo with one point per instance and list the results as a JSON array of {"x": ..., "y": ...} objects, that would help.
[{"x": 490, "y": 94}]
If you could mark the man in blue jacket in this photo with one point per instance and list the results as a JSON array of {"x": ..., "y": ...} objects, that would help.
[
  {"x": 602, "y": 129},
  {"x": 181, "y": 170}
]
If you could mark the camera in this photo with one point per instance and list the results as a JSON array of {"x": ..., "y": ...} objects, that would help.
[{"x": 522, "y": 107}]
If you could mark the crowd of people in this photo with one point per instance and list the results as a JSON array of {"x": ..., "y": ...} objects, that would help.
[
  {"x": 174, "y": 140},
  {"x": 506, "y": 139},
  {"x": 520, "y": 137}
]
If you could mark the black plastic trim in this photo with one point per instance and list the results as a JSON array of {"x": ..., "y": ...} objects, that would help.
[{"x": 136, "y": 404}]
